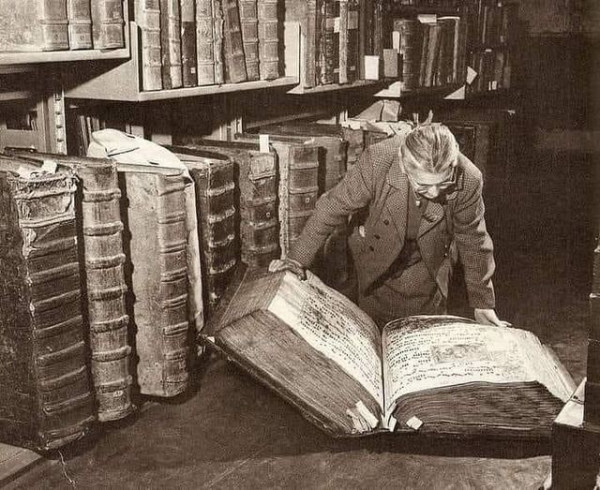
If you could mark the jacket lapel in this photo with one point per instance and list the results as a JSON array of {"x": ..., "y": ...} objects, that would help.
[
  {"x": 434, "y": 213},
  {"x": 397, "y": 199}
]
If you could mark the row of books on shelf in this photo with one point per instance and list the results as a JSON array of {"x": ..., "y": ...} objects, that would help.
[
  {"x": 433, "y": 51},
  {"x": 55, "y": 25},
  {"x": 496, "y": 21},
  {"x": 192, "y": 43},
  {"x": 494, "y": 70}
]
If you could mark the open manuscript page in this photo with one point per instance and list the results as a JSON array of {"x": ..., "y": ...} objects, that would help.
[
  {"x": 334, "y": 326},
  {"x": 421, "y": 353}
]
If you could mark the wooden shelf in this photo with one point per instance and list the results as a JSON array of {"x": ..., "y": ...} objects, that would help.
[
  {"x": 333, "y": 87},
  {"x": 12, "y": 95},
  {"x": 121, "y": 81}
]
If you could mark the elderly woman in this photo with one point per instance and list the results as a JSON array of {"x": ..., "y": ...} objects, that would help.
[{"x": 424, "y": 211}]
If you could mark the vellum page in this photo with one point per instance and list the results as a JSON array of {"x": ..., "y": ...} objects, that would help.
[
  {"x": 334, "y": 326},
  {"x": 457, "y": 353}
]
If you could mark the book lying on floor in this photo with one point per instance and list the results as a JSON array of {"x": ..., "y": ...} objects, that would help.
[{"x": 433, "y": 374}]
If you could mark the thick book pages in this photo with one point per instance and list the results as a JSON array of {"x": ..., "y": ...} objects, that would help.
[
  {"x": 217, "y": 217},
  {"x": 170, "y": 44},
  {"x": 235, "y": 60},
  {"x": 46, "y": 399},
  {"x": 218, "y": 28},
  {"x": 249, "y": 23},
  {"x": 34, "y": 25},
  {"x": 157, "y": 271},
  {"x": 256, "y": 199},
  {"x": 188, "y": 44},
  {"x": 99, "y": 231},
  {"x": 438, "y": 375},
  {"x": 204, "y": 43},
  {"x": 268, "y": 39},
  {"x": 147, "y": 16},
  {"x": 80, "y": 24},
  {"x": 108, "y": 24}
]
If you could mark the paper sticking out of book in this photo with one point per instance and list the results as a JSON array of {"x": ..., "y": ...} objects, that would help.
[
  {"x": 458, "y": 94},
  {"x": 371, "y": 67},
  {"x": 263, "y": 143},
  {"x": 322, "y": 353},
  {"x": 471, "y": 75},
  {"x": 49, "y": 166},
  {"x": 427, "y": 18}
]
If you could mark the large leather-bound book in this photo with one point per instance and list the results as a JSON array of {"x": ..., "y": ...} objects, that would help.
[
  {"x": 233, "y": 45},
  {"x": 217, "y": 216},
  {"x": 80, "y": 24},
  {"x": 365, "y": 46},
  {"x": 34, "y": 25},
  {"x": 204, "y": 42},
  {"x": 268, "y": 39},
  {"x": 310, "y": 51},
  {"x": 378, "y": 28},
  {"x": 170, "y": 43},
  {"x": 433, "y": 52},
  {"x": 353, "y": 42},
  {"x": 218, "y": 48},
  {"x": 99, "y": 231},
  {"x": 188, "y": 44},
  {"x": 46, "y": 398},
  {"x": 328, "y": 46},
  {"x": 147, "y": 16},
  {"x": 249, "y": 23},
  {"x": 108, "y": 24},
  {"x": 256, "y": 199},
  {"x": 343, "y": 41},
  {"x": 156, "y": 243},
  {"x": 432, "y": 375}
]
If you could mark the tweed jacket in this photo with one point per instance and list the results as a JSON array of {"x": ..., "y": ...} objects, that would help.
[{"x": 448, "y": 231}]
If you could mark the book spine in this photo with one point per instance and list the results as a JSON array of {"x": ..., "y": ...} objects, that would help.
[
  {"x": 107, "y": 24},
  {"x": 170, "y": 44},
  {"x": 426, "y": 29},
  {"x": 365, "y": 33},
  {"x": 235, "y": 60},
  {"x": 80, "y": 24},
  {"x": 353, "y": 59},
  {"x": 343, "y": 41},
  {"x": 411, "y": 39},
  {"x": 204, "y": 42},
  {"x": 148, "y": 19},
  {"x": 218, "y": 21},
  {"x": 378, "y": 28},
  {"x": 188, "y": 44},
  {"x": 158, "y": 252},
  {"x": 309, "y": 59},
  {"x": 54, "y": 25},
  {"x": 249, "y": 23},
  {"x": 327, "y": 47},
  {"x": 268, "y": 39},
  {"x": 106, "y": 289},
  {"x": 58, "y": 380}
]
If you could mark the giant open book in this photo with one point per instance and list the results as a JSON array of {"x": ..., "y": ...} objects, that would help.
[{"x": 434, "y": 374}]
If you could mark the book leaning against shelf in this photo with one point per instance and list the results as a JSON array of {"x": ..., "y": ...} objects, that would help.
[{"x": 440, "y": 375}]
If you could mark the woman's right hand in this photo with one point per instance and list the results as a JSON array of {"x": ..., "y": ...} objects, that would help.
[{"x": 280, "y": 265}]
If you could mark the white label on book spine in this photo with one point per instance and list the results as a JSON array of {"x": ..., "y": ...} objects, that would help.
[
  {"x": 336, "y": 24},
  {"x": 396, "y": 40},
  {"x": 427, "y": 18},
  {"x": 371, "y": 67},
  {"x": 263, "y": 141}
]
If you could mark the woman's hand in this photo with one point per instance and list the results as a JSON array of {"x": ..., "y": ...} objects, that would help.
[
  {"x": 489, "y": 317},
  {"x": 280, "y": 265}
]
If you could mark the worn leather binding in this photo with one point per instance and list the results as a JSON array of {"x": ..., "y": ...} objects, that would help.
[
  {"x": 107, "y": 24},
  {"x": 256, "y": 199},
  {"x": 268, "y": 39},
  {"x": 352, "y": 44},
  {"x": 378, "y": 22},
  {"x": 147, "y": 16},
  {"x": 218, "y": 27},
  {"x": 411, "y": 39},
  {"x": 309, "y": 59},
  {"x": 235, "y": 60},
  {"x": 204, "y": 42},
  {"x": 170, "y": 43},
  {"x": 213, "y": 175},
  {"x": 80, "y": 24},
  {"x": 188, "y": 44},
  {"x": 34, "y": 25},
  {"x": 155, "y": 220},
  {"x": 249, "y": 23},
  {"x": 99, "y": 229},
  {"x": 46, "y": 400},
  {"x": 343, "y": 41}
]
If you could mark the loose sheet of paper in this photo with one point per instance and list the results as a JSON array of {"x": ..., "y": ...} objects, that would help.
[{"x": 334, "y": 326}]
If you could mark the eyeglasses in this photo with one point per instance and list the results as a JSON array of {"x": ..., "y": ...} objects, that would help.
[{"x": 434, "y": 190}]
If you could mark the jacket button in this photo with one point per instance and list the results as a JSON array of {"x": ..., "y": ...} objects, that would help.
[
  {"x": 377, "y": 237},
  {"x": 386, "y": 221},
  {"x": 371, "y": 248}
]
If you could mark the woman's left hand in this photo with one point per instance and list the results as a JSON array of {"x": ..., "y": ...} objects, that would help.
[{"x": 488, "y": 316}]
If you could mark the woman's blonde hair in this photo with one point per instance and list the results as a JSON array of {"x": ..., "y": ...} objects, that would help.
[{"x": 431, "y": 148}]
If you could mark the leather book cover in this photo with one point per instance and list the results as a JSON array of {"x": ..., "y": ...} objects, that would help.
[
  {"x": 213, "y": 175},
  {"x": 34, "y": 25},
  {"x": 47, "y": 401},
  {"x": 378, "y": 28},
  {"x": 256, "y": 196},
  {"x": 80, "y": 24},
  {"x": 235, "y": 60},
  {"x": 156, "y": 245},
  {"x": 268, "y": 39},
  {"x": 411, "y": 44},
  {"x": 170, "y": 44},
  {"x": 309, "y": 59},
  {"x": 365, "y": 46},
  {"x": 328, "y": 45},
  {"x": 204, "y": 43},
  {"x": 343, "y": 41},
  {"x": 99, "y": 232},
  {"x": 108, "y": 24},
  {"x": 249, "y": 23},
  {"x": 147, "y": 16},
  {"x": 353, "y": 42},
  {"x": 188, "y": 44},
  {"x": 218, "y": 48}
]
